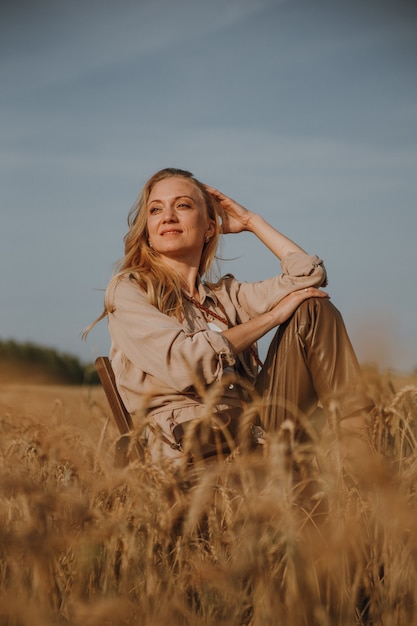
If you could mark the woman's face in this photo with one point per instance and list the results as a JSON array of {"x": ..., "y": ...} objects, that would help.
[{"x": 177, "y": 219}]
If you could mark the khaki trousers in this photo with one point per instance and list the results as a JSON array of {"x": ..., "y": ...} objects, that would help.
[{"x": 310, "y": 361}]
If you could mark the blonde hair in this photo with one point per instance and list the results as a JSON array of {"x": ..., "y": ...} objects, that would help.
[{"x": 146, "y": 266}]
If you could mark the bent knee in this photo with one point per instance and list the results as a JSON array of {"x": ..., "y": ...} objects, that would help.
[{"x": 314, "y": 308}]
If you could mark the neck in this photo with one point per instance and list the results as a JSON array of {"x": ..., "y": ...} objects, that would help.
[{"x": 187, "y": 273}]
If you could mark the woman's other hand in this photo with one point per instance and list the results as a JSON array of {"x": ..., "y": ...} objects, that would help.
[{"x": 235, "y": 218}]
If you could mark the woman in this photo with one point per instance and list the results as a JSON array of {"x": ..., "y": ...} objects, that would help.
[{"x": 176, "y": 337}]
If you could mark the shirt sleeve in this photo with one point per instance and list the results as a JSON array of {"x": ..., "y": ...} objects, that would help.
[
  {"x": 159, "y": 345},
  {"x": 299, "y": 270}
]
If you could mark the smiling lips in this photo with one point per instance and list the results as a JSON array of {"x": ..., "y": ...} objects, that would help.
[{"x": 171, "y": 231}]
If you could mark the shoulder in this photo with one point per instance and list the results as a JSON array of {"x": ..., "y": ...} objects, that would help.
[
  {"x": 225, "y": 283},
  {"x": 123, "y": 287}
]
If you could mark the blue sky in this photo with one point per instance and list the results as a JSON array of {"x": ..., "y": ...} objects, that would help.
[{"x": 305, "y": 111}]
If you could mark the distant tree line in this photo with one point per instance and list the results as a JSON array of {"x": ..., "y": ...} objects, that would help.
[{"x": 65, "y": 367}]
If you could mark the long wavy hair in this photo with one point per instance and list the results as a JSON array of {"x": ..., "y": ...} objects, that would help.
[{"x": 146, "y": 266}]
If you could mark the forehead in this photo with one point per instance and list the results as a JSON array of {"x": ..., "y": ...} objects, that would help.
[{"x": 173, "y": 187}]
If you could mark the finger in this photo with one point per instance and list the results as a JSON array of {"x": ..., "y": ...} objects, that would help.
[
  {"x": 313, "y": 292},
  {"x": 213, "y": 190},
  {"x": 216, "y": 193}
]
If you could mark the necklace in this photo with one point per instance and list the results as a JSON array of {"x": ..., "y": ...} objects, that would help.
[{"x": 221, "y": 319}]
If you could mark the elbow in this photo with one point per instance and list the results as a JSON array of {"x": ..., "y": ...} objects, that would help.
[{"x": 322, "y": 275}]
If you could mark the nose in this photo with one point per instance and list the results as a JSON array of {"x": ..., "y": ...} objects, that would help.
[{"x": 169, "y": 215}]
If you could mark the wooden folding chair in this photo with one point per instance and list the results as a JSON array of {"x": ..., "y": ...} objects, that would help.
[{"x": 124, "y": 451}]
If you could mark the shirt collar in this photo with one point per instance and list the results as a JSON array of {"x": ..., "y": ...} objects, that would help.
[{"x": 204, "y": 291}]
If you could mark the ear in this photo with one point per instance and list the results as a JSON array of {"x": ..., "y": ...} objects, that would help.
[{"x": 211, "y": 229}]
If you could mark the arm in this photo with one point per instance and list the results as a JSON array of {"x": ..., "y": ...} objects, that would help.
[
  {"x": 236, "y": 219},
  {"x": 157, "y": 344},
  {"x": 243, "y": 335}
]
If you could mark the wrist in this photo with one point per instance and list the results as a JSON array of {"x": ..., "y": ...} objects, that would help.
[{"x": 252, "y": 222}]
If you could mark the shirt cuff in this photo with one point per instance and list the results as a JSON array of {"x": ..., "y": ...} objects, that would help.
[
  {"x": 299, "y": 264},
  {"x": 221, "y": 346}
]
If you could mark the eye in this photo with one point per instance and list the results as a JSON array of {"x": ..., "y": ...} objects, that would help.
[
  {"x": 183, "y": 205},
  {"x": 154, "y": 209}
]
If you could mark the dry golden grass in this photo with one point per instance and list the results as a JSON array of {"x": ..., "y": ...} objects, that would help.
[{"x": 267, "y": 541}]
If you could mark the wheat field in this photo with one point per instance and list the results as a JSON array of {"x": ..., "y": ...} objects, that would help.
[{"x": 283, "y": 537}]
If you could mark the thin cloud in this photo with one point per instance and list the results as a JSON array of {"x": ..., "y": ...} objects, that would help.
[{"x": 55, "y": 44}]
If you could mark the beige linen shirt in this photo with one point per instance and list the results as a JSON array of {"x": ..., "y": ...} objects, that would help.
[{"x": 164, "y": 368}]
